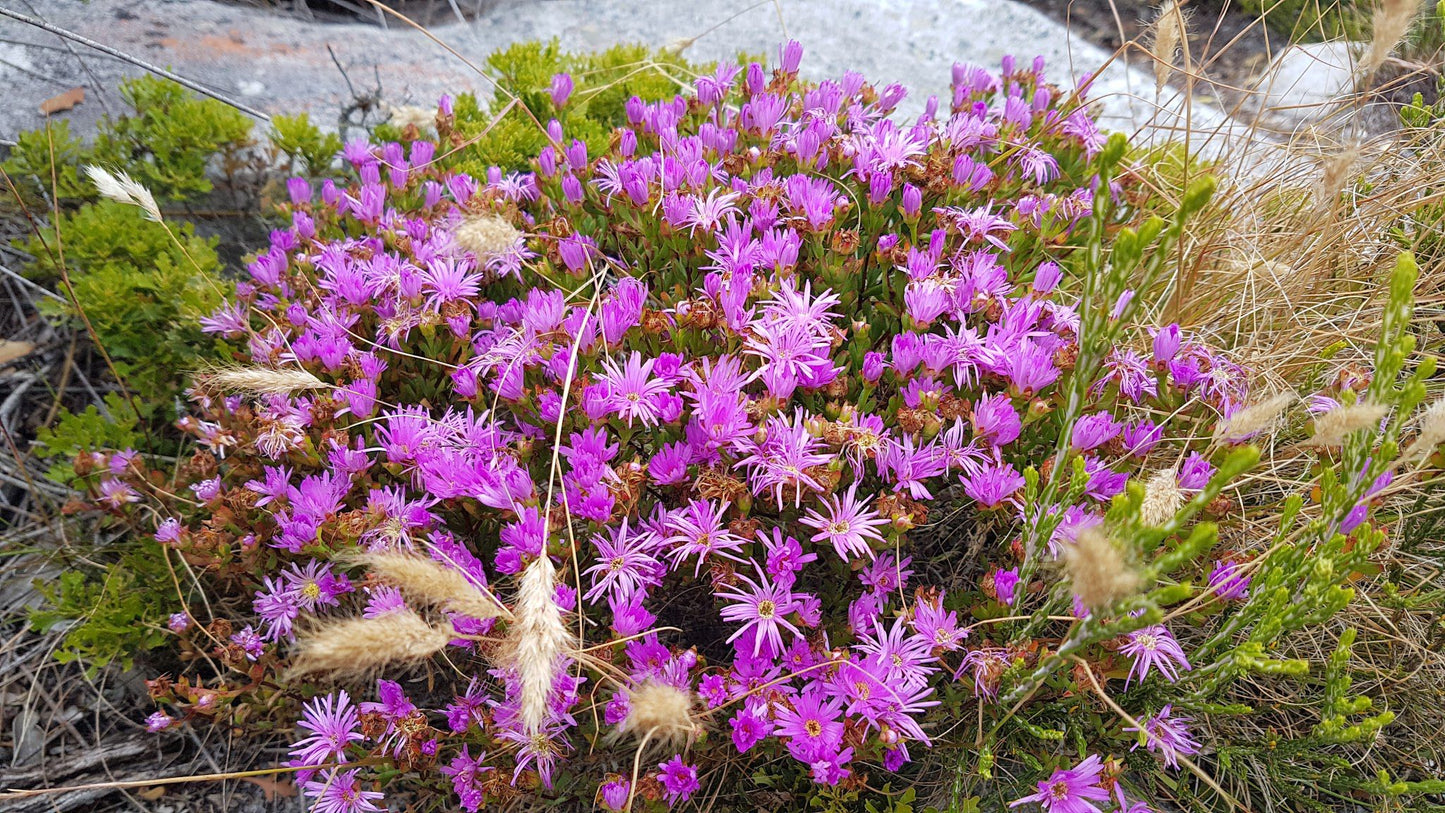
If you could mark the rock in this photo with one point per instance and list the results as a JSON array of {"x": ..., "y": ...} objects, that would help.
[
  {"x": 281, "y": 63},
  {"x": 1304, "y": 83}
]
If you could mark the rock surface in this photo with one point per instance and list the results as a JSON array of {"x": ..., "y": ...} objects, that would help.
[{"x": 278, "y": 63}]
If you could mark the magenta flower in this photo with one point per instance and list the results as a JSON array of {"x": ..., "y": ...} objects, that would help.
[
  {"x": 632, "y": 392},
  {"x": 1093, "y": 430},
  {"x": 340, "y": 792},
  {"x": 1154, "y": 647},
  {"x": 679, "y": 780},
  {"x": 1005, "y": 585},
  {"x": 700, "y": 530},
  {"x": 749, "y": 726},
  {"x": 992, "y": 484},
  {"x": 624, "y": 564},
  {"x": 334, "y": 724},
  {"x": 1168, "y": 734},
  {"x": 762, "y": 609},
  {"x": 848, "y": 525},
  {"x": 1229, "y": 582},
  {"x": 811, "y": 727},
  {"x": 780, "y": 463},
  {"x": 1070, "y": 790},
  {"x": 159, "y": 721},
  {"x": 995, "y": 420}
]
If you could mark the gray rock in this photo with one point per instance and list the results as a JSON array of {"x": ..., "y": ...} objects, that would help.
[
  {"x": 1305, "y": 84},
  {"x": 280, "y": 63}
]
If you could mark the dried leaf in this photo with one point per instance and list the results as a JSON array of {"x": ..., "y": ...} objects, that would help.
[
  {"x": 10, "y": 351},
  {"x": 152, "y": 794},
  {"x": 273, "y": 789},
  {"x": 63, "y": 102}
]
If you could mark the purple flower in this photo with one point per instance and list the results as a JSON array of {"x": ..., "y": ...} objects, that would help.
[
  {"x": 179, "y": 622},
  {"x": 679, "y": 780},
  {"x": 811, "y": 726},
  {"x": 995, "y": 420},
  {"x": 761, "y": 608},
  {"x": 250, "y": 643},
  {"x": 1228, "y": 581},
  {"x": 334, "y": 724},
  {"x": 615, "y": 792},
  {"x": 1154, "y": 647},
  {"x": 340, "y": 792},
  {"x": 1167, "y": 734},
  {"x": 632, "y": 391},
  {"x": 1093, "y": 430},
  {"x": 700, "y": 530},
  {"x": 560, "y": 89},
  {"x": 466, "y": 772},
  {"x": 992, "y": 483},
  {"x": 749, "y": 728},
  {"x": 1005, "y": 583},
  {"x": 158, "y": 721},
  {"x": 848, "y": 525},
  {"x": 624, "y": 564},
  {"x": 1070, "y": 790}
]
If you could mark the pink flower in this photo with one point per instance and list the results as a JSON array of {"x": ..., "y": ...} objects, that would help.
[
  {"x": 1070, "y": 790},
  {"x": 762, "y": 608}
]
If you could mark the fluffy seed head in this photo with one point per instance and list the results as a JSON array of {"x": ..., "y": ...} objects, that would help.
[
  {"x": 486, "y": 236},
  {"x": 1334, "y": 426},
  {"x": 259, "y": 380},
  {"x": 1432, "y": 430},
  {"x": 660, "y": 712},
  {"x": 120, "y": 188},
  {"x": 1392, "y": 19},
  {"x": 1162, "y": 498},
  {"x": 409, "y": 114},
  {"x": 357, "y": 646},
  {"x": 537, "y": 640},
  {"x": 1254, "y": 419},
  {"x": 1096, "y": 568},
  {"x": 1171, "y": 26},
  {"x": 430, "y": 582}
]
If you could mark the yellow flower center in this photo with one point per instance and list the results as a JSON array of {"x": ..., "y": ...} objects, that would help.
[{"x": 766, "y": 608}]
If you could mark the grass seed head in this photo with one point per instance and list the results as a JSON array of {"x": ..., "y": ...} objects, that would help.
[
  {"x": 360, "y": 646},
  {"x": 1097, "y": 569}
]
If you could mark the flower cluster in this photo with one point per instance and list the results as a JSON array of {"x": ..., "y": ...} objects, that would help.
[{"x": 740, "y": 364}]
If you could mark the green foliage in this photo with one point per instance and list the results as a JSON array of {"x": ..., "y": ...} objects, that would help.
[
  {"x": 88, "y": 430},
  {"x": 1319, "y": 20},
  {"x": 39, "y": 153},
  {"x": 172, "y": 137},
  {"x": 109, "y": 615},
  {"x": 142, "y": 290},
  {"x": 141, "y": 285},
  {"x": 309, "y": 149},
  {"x": 604, "y": 81}
]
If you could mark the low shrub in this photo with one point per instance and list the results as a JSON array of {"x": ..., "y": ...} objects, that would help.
[{"x": 806, "y": 451}]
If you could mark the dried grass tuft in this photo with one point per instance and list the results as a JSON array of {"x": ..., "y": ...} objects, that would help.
[
  {"x": 486, "y": 236},
  {"x": 430, "y": 582},
  {"x": 1432, "y": 431},
  {"x": 360, "y": 646},
  {"x": 1169, "y": 31},
  {"x": 1390, "y": 23},
  {"x": 259, "y": 380},
  {"x": 121, "y": 188},
  {"x": 661, "y": 713},
  {"x": 1162, "y": 498},
  {"x": 1098, "y": 571},
  {"x": 1331, "y": 428},
  {"x": 1252, "y": 420},
  {"x": 537, "y": 640}
]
